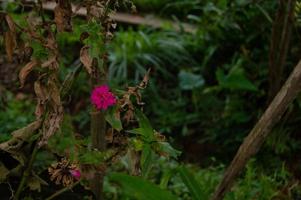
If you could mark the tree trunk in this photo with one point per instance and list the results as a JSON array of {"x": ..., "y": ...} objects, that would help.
[
  {"x": 281, "y": 34},
  {"x": 255, "y": 139}
]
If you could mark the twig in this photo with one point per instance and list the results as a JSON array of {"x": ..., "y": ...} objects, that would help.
[
  {"x": 62, "y": 191},
  {"x": 26, "y": 173}
]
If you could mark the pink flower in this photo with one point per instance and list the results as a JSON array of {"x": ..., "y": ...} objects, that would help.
[
  {"x": 102, "y": 98},
  {"x": 75, "y": 173}
]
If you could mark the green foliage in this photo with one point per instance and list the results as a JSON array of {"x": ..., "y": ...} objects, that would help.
[
  {"x": 139, "y": 188},
  {"x": 190, "y": 81},
  {"x": 113, "y": 119},
  {"x": 11, "y": 115},
  {"x": 132, "y": 53},
  {"x": 191, "y": 183}
]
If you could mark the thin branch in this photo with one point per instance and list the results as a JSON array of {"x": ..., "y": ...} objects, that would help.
[
  {"x": 26, "y": 173},
  {"x": 62, "y": 191}
]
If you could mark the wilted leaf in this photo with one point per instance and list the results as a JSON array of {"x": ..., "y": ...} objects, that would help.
[
  {"x": 139, "y": 188},
  {"x": 10, "y": 38},
  {"x": 40, "y": 91},
  {"x": 11, "y": 24},
  {"x": 62, "y": 15},
  {"x": 20, "y": 136},
  {"x": 51, "y": 63},
  {"x": 86, "y": 59},
  {"x": 10, "y": 44},
  {"x": 54, "y": 93},
  {"x": 26, "y": 70},
  {"x": 145, "y": 80},
  {"x": 42, "y": 96},
  {"x": 3, "y": 172},
  {"x": 51, "y": 125}
]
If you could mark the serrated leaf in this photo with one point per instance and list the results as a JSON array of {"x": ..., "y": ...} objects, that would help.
[
  {"x": 145, "y": 126},
  {"x": 139, "y": 188},
  {"x": 191, "y": 183}
]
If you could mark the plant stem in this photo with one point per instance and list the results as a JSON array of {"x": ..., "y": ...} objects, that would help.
[
  {"x": 62, "y": 191},
  {"x": 26, "y": 173},
  {"x": 98, "y": 132}
]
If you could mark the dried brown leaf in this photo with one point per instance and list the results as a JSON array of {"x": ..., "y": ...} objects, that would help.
[
  {"x": 54, "y": 93},
  {"x": 50, "y": 62},
  {"x": 42, "y": 96},
  {"x": 86, "y": 59},
  {"x": 51, "y": 124},
  {"x": 10, "y": 44},
  {"x": 40, "y": 91},
  {"x": 62, "y": 16},
  {"x": 11, "y": 24},
  {"x": 19, "y": 137},
  {"x": 25, "y": 71}
]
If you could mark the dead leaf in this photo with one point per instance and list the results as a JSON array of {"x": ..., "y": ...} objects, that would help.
[
  {"x": 50, "y": 62},
  {"x": 26, "y": 70},
  {"x": 11, "y": 24},
  {"x": 54, "y": 93},
  {"x": 62, "y": 16},
  {"x": 10, "y": 44},
  {"x": 20, "y": 136},
  {"x": 86, "y": 59},
  {"x": 42, "y": 96},
  {"x": 40, "y": 91},
  {"x": 10, "y": 38},
  {"x": 51, "y": 125}
]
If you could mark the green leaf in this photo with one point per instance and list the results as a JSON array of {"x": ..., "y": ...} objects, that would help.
[
  {"x": 164, "y": 148},
  {"x": 112, "y": 116},
  {"x": 190, "y": 81},
  {"x": 167, "y": 175},
  {"x": 146, "y": 160},
  {"x": 191, "y": 183},
  {"x": 145, "y": 126},
  {"x": 235, "y": 80},
  {"x": 136, "y": 131},
  {"x": 140, "y": 189}
]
